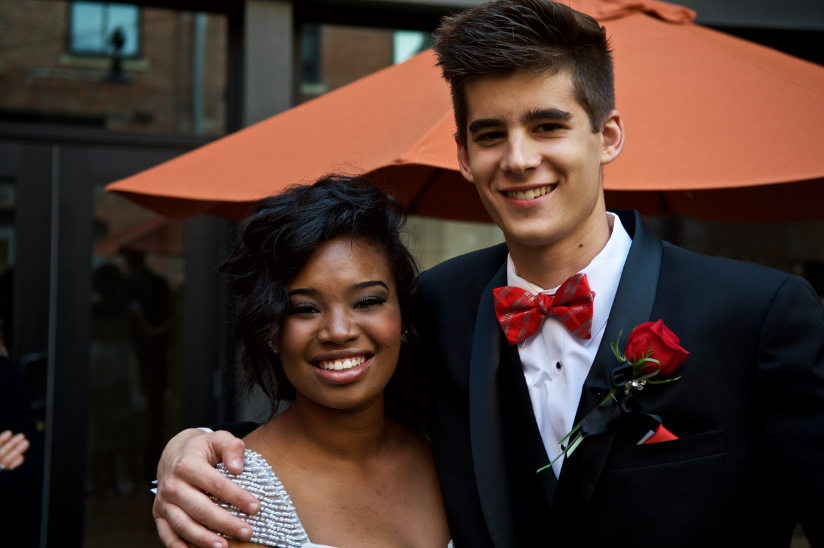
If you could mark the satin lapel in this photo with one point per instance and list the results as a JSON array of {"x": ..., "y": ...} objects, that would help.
[
  {"x": 632, "y": 306},
  {"x": 485, "y": 420}
]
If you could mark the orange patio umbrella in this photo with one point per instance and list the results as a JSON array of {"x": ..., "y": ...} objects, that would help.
[{"x": 717, "y": 127}]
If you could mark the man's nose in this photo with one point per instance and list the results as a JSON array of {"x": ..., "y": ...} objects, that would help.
[{"x": 520, "y": 156}]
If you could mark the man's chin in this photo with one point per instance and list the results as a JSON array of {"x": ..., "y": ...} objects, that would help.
[{"x": 535, "y": 239}]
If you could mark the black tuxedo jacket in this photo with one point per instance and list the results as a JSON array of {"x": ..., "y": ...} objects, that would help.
[{"x": 748, "y": 411}]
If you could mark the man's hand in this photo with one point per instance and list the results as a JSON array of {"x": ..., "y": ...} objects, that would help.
[
  {"x": 12, "y": 449},
  {"x": 186, "y": 470}
]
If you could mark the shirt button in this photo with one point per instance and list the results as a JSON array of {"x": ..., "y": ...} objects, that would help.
[{"x": 558, "y": 365}]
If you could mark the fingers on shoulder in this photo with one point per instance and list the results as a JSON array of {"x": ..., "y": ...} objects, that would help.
[
  {"x": 176, "y": 532},
  {"x": 223, "y": 442},
  {"x": 167, "y": 535}
]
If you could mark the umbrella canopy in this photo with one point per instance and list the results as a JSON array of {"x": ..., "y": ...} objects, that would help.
[{"x": 717, "y": 127}]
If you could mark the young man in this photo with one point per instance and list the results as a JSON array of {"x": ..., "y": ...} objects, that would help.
[{"x": 532, "y": 88}]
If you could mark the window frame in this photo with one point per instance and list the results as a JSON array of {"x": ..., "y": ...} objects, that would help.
[{"x": 104, "y": 50}]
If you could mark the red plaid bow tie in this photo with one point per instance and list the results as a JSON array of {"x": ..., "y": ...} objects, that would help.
[{"x": 520, "y": 312}]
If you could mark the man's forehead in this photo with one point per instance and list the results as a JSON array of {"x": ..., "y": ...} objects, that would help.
[{"x": 532, "y": 94}]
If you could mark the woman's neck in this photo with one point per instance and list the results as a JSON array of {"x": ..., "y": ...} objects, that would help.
[{"x": 342, "y": 435}]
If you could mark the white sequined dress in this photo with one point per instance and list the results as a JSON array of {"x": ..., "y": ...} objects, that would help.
[{"x": 277, "y": 523}]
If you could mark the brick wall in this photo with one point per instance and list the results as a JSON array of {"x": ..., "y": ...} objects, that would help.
[
  {"x": 348, "y": 53},
  {"x": 41, "y": 80}
]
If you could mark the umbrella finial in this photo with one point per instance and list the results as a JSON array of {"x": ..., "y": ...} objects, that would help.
[{"x": 605, "y": 10}]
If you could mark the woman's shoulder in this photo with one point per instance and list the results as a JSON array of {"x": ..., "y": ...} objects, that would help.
[
  {"x": 277, "y": 523},
  {"x": 412, "y": 439}
]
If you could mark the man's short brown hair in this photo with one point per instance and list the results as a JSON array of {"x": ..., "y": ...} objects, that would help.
[{"x": 506, "y": 36}]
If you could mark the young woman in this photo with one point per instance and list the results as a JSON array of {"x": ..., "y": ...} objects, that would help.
[{"x": 324, "y": 286}]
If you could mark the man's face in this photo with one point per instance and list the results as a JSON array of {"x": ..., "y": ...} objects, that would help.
[{"x": 534, "y": 159}]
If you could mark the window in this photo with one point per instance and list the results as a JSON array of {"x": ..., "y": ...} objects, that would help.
[
  {"x": 409, "y": 42},
  {"x": 97, "y": 28},
  {"x": 310, "y": 53}
]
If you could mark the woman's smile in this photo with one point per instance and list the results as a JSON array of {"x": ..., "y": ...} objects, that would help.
[
  {"x": 343, "y": 371},
  {"x": 341, "y": 365}
]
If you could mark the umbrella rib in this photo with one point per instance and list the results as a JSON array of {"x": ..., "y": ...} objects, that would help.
[
  {"x": 665, "y": 208},
  {"x": 413, "y": 205}
]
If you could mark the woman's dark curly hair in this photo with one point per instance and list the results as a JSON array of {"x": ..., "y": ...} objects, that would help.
[{"x": 275, "y": 243}]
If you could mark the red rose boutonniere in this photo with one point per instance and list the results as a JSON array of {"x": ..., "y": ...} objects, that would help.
[{"x": 652, "y": 352}]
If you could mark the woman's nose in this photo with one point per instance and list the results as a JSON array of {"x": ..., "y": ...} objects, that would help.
[{"x": 338, "y": 327}]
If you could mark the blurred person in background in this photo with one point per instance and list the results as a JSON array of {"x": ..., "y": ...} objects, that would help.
[{"x": 21, "y": 458}]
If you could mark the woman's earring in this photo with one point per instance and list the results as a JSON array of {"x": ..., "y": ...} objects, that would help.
[
  {"x": 405, "y": 336},
  {"x": 274, "y": 347}
]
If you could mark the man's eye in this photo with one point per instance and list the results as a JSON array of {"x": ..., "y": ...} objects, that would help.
[
  {"x": 549, "y": 128},
  {"x": 489, "y": 136}
]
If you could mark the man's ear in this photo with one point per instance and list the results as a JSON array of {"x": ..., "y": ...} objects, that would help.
[
  {"x": 612, "y": 137},
  {"x": 463, "y": 161}
]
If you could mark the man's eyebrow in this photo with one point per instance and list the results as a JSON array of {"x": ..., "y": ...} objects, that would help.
[
  {"x": 547, "y": 114},
  {"x": 483, "y": 123},
  {"x": 531, "y": 116}
]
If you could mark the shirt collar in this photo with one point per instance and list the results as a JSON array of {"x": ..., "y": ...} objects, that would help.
[{"x": 603, "y": 274}]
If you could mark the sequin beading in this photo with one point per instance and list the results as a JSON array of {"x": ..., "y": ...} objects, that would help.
[{"x": 277, "y": 523}]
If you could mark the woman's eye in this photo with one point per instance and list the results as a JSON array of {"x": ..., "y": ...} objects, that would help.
[
  {"x": 370, "y": 302},
  {"x": 302, "y": 309}
]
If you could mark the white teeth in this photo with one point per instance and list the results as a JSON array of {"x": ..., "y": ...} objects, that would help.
[
  {"x": 340, "y": 365},
  {"x": 529, "y": 194}
]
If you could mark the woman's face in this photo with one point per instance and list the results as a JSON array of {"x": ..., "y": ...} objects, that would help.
[{"x": 340, "y": 341}]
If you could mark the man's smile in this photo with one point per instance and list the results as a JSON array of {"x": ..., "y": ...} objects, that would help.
[{"x": 531, "y": 193}]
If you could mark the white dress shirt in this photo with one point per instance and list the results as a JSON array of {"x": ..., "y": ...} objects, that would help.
[{"x": 555, "y": 361}]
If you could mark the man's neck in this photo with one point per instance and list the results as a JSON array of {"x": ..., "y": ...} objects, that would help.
[{"x": 550, "y": 265}]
